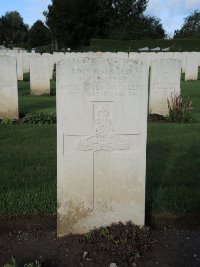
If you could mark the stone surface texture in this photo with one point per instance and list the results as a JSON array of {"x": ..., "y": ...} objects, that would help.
[
  {"x": 101, "y": 142},
  {"x": 8, "y": 88},
  {"x": 39, "y": 75},
  {"x": 164, "y": 81},
  {"x": 191, "y": 66}
]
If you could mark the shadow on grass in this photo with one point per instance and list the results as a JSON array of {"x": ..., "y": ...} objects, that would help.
[
  {"x": 29, "y": 104},
  {"x": 173, "y": 177}
]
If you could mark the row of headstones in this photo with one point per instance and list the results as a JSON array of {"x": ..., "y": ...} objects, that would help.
[
  {"x": 101, "y": 134},
  {"x": 164, "y": 78},
  {"x": 27, "y": 62}
]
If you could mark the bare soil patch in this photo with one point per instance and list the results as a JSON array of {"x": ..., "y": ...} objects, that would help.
[{"x": 174, "y": 242}]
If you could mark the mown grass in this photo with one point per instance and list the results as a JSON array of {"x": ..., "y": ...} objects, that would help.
[
  {"x": 27, "y": 169},
  {"x": 173, "y": 168},
  {"x": 28, "y": 162},
  {"x": 191, "y": 90},
  {"x": 29, "y": 103}
]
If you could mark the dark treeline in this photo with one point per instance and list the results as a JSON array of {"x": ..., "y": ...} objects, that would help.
[
  {"x": 72, "y": 23},
  {"x": 14, "y": 32},
  {"x": 190, "y": 28}
]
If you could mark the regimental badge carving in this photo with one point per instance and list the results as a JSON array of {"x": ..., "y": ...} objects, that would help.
[{"x": 104, "y": 137}]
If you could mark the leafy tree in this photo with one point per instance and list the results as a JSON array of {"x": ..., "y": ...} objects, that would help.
[
  {"x": 191, "y": 27},
  {"x": 152, "y": 28},
  {"x": 130, "y": 23},
  {"x": 139, "y": 28},
  {"x": 39, "y": 34},
  {"x": 127, "y": 14},
  {"x": 12, "y": 29},
  {"x": 76, "y": 22},
  {"x": 72, "y": 22}
]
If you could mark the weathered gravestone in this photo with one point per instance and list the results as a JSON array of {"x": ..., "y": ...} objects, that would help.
[
  {"x": 8, "y": 88},
  {"x": 191, "y": 66},
  {"x": 49, "y": 58},
  {"x": 102, "y": 121},
  {"x": 18, "y": 57},
  {"x": 19, "y": 67},
  {"x": 156, "y": 49},
  {"x": 39, "y": 75},
  {"x": 26, "y": 62},
  {"x": 164, "y": 81},
  {"x": 144, "y": 49},
  {"x": 167, "y": 49}
]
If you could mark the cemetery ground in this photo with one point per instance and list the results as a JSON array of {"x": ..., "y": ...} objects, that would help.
[{"x": 28, "y": 192}]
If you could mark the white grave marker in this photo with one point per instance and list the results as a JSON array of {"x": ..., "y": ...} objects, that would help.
[
  {"x": 19, "y": 67},
  {"x": 164, "y": 81},
  {"x": 26, "y": 62},
  {"x": 39, "y": 76},
  {"x": 192, "y": 66},
  {"x": 101, "y": 122},
  {"x": 8, "y": 88}
]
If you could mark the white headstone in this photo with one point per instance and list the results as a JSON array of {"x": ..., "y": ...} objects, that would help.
[
  {"x": 39, "y": 76},
  {"x": 8, "y": 88},
  {"x": 134, "y": 55},
  {"x": 164, "y": 55},
  {"x": 19, "y": 67},
  {"x": 58, "y": 56},
  {"x": 122, "y": 55},
  {"x": 167, "y": 49},
  {"x": 184, "y": 59},
  {"x": 144, "y": 49},
  {"x": 26, "y": 62},
  {"x": 156, "y": 49},
  {"x": 101, "y": 142},
  {"x": 192, "y": 66},
  {"x": 49, "y": 57},
  {"x": 146, "y": 58},
  {"x": 164, "y": 80}
]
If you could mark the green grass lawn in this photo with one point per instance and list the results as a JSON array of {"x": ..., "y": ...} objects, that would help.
[
  {"x": 173, "y": 168},
  {"x": 28, "y": 161},
  {"x": 191, "y": 89},
  {"x": 27, "y": 169},
  {"x": 29, "y": 103}
]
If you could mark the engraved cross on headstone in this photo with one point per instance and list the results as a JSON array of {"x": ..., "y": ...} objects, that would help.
[{"x": 103, "y": 139}]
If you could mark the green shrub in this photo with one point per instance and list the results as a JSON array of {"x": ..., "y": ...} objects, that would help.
[
  {"x": 7, "y": 121},
  {"x": 40, "y": 118},
  {"x": 14, "y": 264},
  {"x": 179, "y": 109},
  {"x": 126, "y": 241},
  {"x": 36, "y": 264}
]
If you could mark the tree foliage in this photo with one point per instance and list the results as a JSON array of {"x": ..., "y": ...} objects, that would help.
[
  {"x": 12, "y": 29},
  {"x": 191, "y": 27},
  {"x": 75, "y": 22},
  {"x": 39, "y": 34}
]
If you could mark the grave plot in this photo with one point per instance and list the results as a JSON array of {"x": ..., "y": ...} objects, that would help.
[{"x": 101, "y": 122}]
